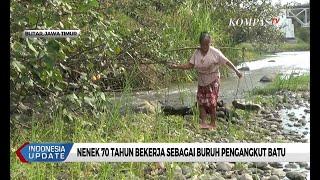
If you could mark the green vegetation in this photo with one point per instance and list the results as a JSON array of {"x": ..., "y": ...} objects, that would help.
[
  {"x": 124, "y": 42},
  {"x": 289, "y": 82},
  {"x": 106, "y": 127},
  {"x": 299, "y": 46}
]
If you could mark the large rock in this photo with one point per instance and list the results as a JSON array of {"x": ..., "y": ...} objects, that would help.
[
  {"x": 245, "y": 177},
  {"x": 244, "y": 68},
  {"x": 275, "y": 119},
  {"x": 292, "y": 114},
  {"x": 179, "y": 177},
  {"x": 264, "y": 112},
  {"x": 268, "y": 116},
  {"x": 273, "y": 126},
  {"x": 186, "y": 170},
  {"x": 224, "y": 166},
  {"x": 302, "y": 122},
  {"x": 278, "y": 172},
  {"x": 245, "y": 106},
  {"x": 228, "y": 174},
  {"x": 177, "y": 110},
  {"x": 138, "y": 106},
  {"x": 178, "y": 173},
  {"x": 266, "y": 79},
  {"x": 289, "y": 125},
  {"x": 145, "y": 107},
  {"x": 205, "y": 177},
  {"x": 259, "y": 165},
  {"x": 273, "y": 177},
  {"x": 223, "y": 109},
  {"x": 256, "y": 171},
  {"x": 286, "y": 170},
  {"x": 178, "y": 170},
  {"x": 267, "y": 172},
  {"x": 297, "y": 125},
  {"x": 291, "y": 165},
  {"x": 276, "y": 115},
  {"x": 272, "y": 60},
  {"x": 276, "y": 164},
  {"x": 265, "y": 178},
  {"x": 220, "y": 114},
  {"x": 221, "y": 103},
  {"x": 296, "y": 175},
  {"x": 307, "y": 110},
  {"x": 237, "y": 121},
  {"x": 303, "y": 164}
]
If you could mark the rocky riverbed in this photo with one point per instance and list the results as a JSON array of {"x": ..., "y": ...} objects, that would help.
[
  {"x": 233, "y": 171},
  {"x": 286, "y": 119}
]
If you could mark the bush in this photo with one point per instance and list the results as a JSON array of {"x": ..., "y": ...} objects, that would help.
[{"x": 303, "y": 34}]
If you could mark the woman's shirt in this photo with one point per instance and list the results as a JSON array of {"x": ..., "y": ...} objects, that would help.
[{"x": 208, "y": 65}]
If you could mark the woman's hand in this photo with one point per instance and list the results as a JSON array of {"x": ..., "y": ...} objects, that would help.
[
  {"x": 230, "y": 65},
  {"x": 239, "y": 74}
]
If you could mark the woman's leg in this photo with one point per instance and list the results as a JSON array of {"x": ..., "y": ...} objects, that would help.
[
  {"x": 203, "y": 116},
  {"x": 213, "y": 109},
  {"x": 213, "y": 118}
]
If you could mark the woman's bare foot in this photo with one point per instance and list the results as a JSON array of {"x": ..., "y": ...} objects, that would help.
[
  {"x": 212, "y": 127},
  {"x": 203, "y": 125}
]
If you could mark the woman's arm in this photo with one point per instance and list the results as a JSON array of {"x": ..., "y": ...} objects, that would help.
[
  {"x": 231, "y": 66},
  {"x": 182, "y": 66}
]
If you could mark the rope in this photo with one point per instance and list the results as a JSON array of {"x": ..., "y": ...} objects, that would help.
[
  {"x": 167, "y": 84},
  {"x": 250, "y": 78},
  {"x": 243, "y": 56},
  {"x": 237, "y": 89}
]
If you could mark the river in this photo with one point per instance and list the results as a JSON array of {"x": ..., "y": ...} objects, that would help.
[{"x": 284, "y": 62}]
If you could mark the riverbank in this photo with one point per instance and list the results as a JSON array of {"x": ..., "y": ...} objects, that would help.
[
  {"x": 271, "y": 124},
  {"x": 252, "y": 53}
]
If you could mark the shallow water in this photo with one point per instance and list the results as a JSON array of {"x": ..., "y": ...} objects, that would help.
[
  {"x": 299, "y": 169},
  {"x": 295, "y": 60},
  {"x": 299, "y": 112}
]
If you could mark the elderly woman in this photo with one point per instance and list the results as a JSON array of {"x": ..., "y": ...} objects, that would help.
[{"x": 207, "y": 61}]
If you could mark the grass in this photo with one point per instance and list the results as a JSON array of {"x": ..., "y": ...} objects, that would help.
[
  {"x": 106, "y": 127},
  {"x": 265, "y": 95},
  {"x": 133, "y": 128},
  {"x": 240, "y": 166},
  {"x": 262, "y": 97},
  {"x": 298, "y": 46},
  {"x": 288, "y": 82},
  {"x": 252, "y": 53}
]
